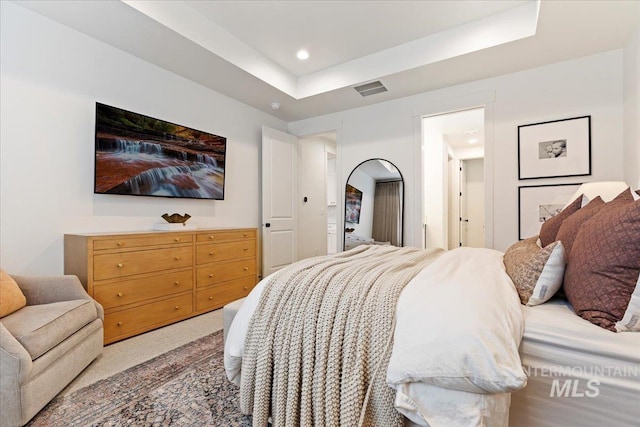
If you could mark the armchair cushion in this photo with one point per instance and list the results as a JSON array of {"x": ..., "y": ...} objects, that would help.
[
  {"x": 48, "y": 289},
  {"x": 39, "y": 328},
  {"x": 11, "y": 297}
]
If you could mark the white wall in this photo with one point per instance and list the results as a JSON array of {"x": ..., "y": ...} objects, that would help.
[
  {"x": 632, "y": 109},
  {"x": 51, "y": 77},
  {"x": 436, "y": 200},
  {"x": 586, "y": 86}
]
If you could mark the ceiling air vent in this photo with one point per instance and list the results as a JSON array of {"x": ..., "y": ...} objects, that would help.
[{"x": 370, "y": 88}]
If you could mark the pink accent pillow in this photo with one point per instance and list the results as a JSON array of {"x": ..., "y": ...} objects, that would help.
[
  {"x": 550, "y": 228},
  {"x": 570, "y": 226},
  {"x": 604, "y": 263}
]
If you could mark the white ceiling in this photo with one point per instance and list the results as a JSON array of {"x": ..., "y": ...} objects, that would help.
[
  {"x": 338, "y": 32},
  {"x": 246, "y": 49},
  {"x": 463, "y": 132}
]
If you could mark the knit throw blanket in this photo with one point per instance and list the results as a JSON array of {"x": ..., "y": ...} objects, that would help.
[{"x": 319, "y": 343}]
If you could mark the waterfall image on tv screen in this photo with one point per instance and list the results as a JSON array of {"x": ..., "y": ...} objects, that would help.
[{"x": 143, "y": 156}]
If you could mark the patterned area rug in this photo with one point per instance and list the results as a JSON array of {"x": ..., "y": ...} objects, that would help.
[{"x": 184, "y": 387}]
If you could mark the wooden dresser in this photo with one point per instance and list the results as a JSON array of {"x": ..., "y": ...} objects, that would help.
[{"x": 150, "y": 279}]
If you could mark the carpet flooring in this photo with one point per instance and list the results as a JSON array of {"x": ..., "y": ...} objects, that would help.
[{"x": 186, "y": 386}]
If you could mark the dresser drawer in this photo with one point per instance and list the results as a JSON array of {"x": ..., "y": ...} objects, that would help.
[
  {"x": 107, "y": 266},
  {"x": 135, "y": 290},
  {"x": 216, "y": 273},
  {"x": 145, "y": 279},
  {"x": 145, "y": 317},
  {"x": 223, "y": 293},
  {"x": 136, "y": 242},
  {"x": 225, "y": 251},
  {"x": 215, "y": 236}
]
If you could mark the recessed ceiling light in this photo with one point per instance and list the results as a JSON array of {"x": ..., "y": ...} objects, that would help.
[
  {"x": 302, "y": 54},
  {"x": 473, "y": 141}
]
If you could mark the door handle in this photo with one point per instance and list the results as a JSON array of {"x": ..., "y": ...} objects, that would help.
[{"x": 267, "y": 225}]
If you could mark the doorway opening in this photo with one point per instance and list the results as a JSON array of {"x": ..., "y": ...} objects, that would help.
[
  {"x": 317, "y": 195},
  {"x": 454, "y": 171},
  {"x": 298, "y": 196}
]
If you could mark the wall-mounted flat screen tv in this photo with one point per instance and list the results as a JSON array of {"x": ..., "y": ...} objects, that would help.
[
  {"x": 142, "y": 156},
  {"x": 353, "y": 204}
]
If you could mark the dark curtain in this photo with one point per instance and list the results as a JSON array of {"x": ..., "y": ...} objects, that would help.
[{"x": 387, "y": 213}]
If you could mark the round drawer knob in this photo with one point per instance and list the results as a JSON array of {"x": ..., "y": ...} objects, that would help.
[
  {"x": 176, "y": 283},
  {"x": 210, "y": 253},
  {"x": 245, "y": 249},
  {"x": 210, "y": 237},
  {"x": 119, "y": 323},
  {"x": 177, "y": 239},
  {"x": 246, "y": 269},
  {"x": 177, "y": 307},
  {"x": 245, "y": 288},
  {"x": 210, "y": 298},
  {"x": 120, "y": 243},
  {"x": 244, "y": 234},
  {"x": 119, "y": 294},
  {"x": 211, "y": 275},
  {"x": 120, "y": 265},
  {"x": 177, "y": 258}
]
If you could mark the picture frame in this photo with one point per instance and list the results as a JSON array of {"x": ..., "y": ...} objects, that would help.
[
  {"x": 538, "y": 203},
  {"x": 555, "y": 149},
  {"x": 353, "y": 198}
]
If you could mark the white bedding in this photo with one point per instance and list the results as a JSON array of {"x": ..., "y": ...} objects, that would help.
[
  {"x": 556, "y": 342},
  {"x": 458, "y": 327},
  {"x": 474, "y": 311}
]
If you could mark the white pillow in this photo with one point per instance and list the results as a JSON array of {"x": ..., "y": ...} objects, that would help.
[
  {"x": 459, "y": 325},
  {"x": 607, "y": 190},
  {"x": 429, "y": 405},
  {"x": 631, "y": 320}
]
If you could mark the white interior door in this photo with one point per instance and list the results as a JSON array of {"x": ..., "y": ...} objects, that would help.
[
  {"x": 279, "y": 192},
  {"x": 475, "y": 202}
]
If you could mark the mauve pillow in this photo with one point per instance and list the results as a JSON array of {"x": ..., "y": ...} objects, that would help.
[
  {"x": 550, "y": 228},
  {"x": 621, "y": 199},
  {"x": 604, "y": 264},
  {"x": 570, "y": 226}
]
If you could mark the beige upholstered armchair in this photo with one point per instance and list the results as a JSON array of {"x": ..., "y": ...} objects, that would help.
[{"x": 45, "y": 344}]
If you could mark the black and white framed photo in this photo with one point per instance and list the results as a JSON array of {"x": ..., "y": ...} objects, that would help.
[
  {"x": 539, "y": 203},
  {"x": 555, "y": 149}
]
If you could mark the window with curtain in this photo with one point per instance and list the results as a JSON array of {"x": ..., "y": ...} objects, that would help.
[{"x": 387, "y": 213}]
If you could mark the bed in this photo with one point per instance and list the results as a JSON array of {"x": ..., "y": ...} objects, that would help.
[
  {"x": 467, "y": 348},
  {"x": 468, "y": 359},
  {"x": 578, "y": 373}
]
